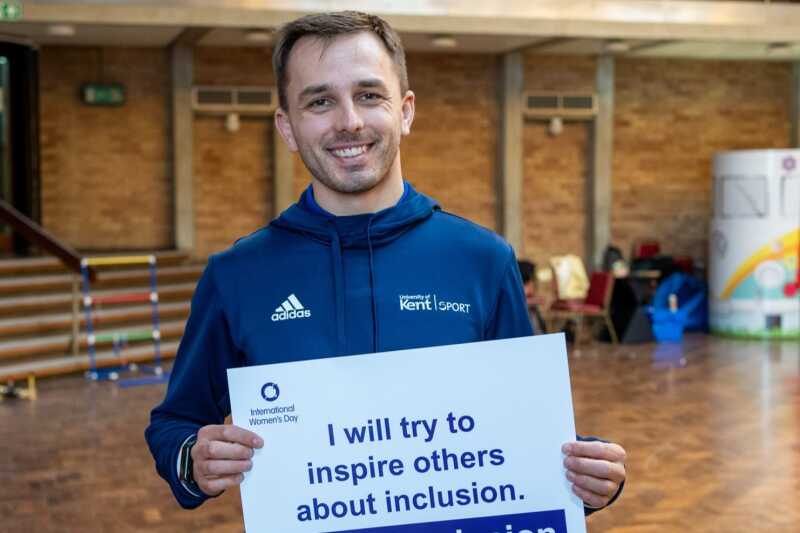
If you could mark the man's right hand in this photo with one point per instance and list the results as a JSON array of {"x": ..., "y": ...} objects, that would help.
[{"x": 221, "y": 455}]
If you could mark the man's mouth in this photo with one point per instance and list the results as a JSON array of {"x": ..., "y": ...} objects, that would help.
[{"x": 349, "y": 152}]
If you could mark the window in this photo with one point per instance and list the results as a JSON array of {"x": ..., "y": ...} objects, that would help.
[
  {"x": 742, "y": 197},
  {"x": 790, "y": 194}
]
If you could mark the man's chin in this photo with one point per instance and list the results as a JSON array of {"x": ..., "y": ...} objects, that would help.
[{"x": 352, "y": 183}]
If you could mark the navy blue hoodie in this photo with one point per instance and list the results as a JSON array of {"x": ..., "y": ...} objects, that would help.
[{"x": 312, "y": 285}]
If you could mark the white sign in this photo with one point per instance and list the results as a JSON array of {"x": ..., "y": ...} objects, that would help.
[{"x": 458, "y": 439}]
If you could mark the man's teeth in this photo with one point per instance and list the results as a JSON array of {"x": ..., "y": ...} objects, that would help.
[{"x": 350, "y": 152}]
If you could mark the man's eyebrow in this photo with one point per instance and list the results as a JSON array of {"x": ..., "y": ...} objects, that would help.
[
  {"x": 313, "y": 89},
  {"x": 372, "y": 82}
]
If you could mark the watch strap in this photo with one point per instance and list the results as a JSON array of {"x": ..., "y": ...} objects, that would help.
[{"x": 186, "y": 468}]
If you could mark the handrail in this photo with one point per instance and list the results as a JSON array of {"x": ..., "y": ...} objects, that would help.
[{"x": 41, "y": 238}]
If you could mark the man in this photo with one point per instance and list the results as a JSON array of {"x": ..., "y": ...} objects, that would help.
[
  {"x": 356, "y": 266},
  {"x": 530, "y": 285}
]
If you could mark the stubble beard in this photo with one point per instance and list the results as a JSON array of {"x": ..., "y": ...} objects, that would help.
[{"x": 356, "y": 180}]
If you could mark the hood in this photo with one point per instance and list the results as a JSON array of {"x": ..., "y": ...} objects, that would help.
[
  {"x": 356, "y": 231},
  {"x": 367, "y": 231}
]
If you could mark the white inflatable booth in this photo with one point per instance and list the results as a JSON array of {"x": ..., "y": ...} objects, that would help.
[{"x": 755, "y": 244}]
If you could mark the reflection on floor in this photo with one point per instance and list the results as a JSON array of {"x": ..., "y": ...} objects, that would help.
[{"x": 712, "y": 428}]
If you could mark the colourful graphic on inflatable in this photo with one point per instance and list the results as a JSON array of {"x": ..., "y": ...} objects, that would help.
[
  {"x": 772, "y": 271},
  {"x": 754, "y": 258}
]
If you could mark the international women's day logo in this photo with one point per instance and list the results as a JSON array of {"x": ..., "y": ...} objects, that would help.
[{"x": 270, "y": 391}]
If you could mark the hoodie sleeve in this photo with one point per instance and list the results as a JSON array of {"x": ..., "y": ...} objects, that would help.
[
  {"x": 510, "y": 316},
  {"x": 589, "y": 510},
  {"x": 197, "y": 394}
]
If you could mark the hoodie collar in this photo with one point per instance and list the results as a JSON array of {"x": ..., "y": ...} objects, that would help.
[
  {"x": 310, "y": 201},
  {"x": 308, "y": 218}
]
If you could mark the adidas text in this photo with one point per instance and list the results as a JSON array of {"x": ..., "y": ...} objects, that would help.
[{"x": 288, "y": 315}]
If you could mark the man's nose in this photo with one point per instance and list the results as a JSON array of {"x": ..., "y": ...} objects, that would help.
[{"x": 349, "y": 118}]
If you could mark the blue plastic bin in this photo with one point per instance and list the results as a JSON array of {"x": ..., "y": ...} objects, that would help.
[{"x": 667, "y": 326}]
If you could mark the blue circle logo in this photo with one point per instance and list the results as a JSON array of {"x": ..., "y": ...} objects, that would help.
[{"x": 270, "y": 391}]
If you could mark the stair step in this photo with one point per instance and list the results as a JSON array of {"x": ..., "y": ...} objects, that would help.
[
  {"x": 60, "y": 302},
  {"x": 54, "y": 344},
  {"x": 108, "y": 279},
  {"x": 44, "y": 324},
  {"x": 36, "y": 320},
  {"x": 66, "y": 364},
  {"x": 23, "y": 266}
]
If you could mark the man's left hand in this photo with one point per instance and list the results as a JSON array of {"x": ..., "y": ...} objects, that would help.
[{"x": 596, "y": 470}]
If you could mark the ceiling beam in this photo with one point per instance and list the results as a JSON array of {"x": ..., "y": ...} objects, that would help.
[
  {"x": 626, "y": 19},
  {"x": 190, "y": 36},
  {"x": 546, "y": 45},
  {"x": 650, "y": 46}
]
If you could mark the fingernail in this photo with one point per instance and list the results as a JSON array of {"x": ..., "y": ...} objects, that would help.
[
  {"x": 249, "y": 466},
  {"x": 257, "y": 442},
  {"x": 567, "y": 448},
  {"x": 570, "y": 475}
]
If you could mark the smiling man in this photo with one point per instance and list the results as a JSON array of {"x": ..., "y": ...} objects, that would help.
[
  {"x": 361, "y": 263},
  {"x": 346, "y": 122}
]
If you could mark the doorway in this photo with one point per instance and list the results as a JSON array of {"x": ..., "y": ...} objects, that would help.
[{"x": 19, "y": 138}]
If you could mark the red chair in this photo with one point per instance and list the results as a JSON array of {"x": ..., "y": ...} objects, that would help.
[
  {"x": 645, "y": 249},
  {"x": 596, "y": 305}
]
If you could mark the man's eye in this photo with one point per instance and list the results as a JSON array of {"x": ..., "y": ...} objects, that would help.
[
  {"x": 319, "y": 102},
  {"x": 369, "y": 97}
]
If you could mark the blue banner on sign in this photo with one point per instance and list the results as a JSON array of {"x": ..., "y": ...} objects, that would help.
[{"x": 541, "y": 522}]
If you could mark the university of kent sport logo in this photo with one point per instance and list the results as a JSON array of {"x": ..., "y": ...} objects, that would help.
[
  {"x": 431, "y": 302},
  {"x": 290, "y": 309}
]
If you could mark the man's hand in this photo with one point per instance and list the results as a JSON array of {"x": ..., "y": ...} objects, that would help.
[
  {"x": 221, "y": 455},
  {"x": 596, "y": 470}
]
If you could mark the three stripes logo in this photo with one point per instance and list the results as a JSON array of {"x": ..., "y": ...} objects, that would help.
[{"x": 290, "y": 309}]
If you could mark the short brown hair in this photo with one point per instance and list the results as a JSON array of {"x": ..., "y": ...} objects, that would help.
[{"x": 327, "y": 26}]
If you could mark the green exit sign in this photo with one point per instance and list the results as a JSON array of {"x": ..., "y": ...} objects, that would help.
[
  {"x": 103, "y": 94},
  {"x": 10, "y": 11}
]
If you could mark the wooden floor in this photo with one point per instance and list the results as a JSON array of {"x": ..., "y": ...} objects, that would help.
[{"x": 712, "y": 429}]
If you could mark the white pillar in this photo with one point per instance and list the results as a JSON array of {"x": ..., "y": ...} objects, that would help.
[
  {"x": 509, "y": 151},
  {"x": 599, "y": 190},
  {"x": 181, "y": 63}
]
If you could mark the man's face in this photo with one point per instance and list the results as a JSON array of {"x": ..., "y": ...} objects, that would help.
[{"x": 345, "y": 112}]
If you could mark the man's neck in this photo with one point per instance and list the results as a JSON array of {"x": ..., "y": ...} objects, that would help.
[{"x": 384, "y": 195}]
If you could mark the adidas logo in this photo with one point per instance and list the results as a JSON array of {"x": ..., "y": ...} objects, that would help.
[{"x": 290, "y": 309}]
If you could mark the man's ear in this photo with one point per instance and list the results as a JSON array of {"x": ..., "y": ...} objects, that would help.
[
  {"x": 285, "y": 129},
  {"x": 407, "y": 110}
]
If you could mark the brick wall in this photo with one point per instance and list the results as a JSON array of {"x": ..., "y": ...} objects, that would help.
[
  {"x": 233, "y": 171},
  {"x": 671, "y": 117},
  {"x": 555, "y": 167},
  {"x": 450, "y": 153},
  {"x": 105, "y": 182}
]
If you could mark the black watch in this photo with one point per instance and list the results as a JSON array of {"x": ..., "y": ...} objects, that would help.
[{"x": 186, "y": 470}]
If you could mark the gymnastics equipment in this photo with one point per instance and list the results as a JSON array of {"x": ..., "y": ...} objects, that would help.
[{"x": 120, "y": 339}]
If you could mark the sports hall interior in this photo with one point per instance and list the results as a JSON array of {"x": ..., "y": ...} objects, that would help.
[{"x": 138, "y": 139}]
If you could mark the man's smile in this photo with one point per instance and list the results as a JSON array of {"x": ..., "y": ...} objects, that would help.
[{"x": 350, "y": 151}]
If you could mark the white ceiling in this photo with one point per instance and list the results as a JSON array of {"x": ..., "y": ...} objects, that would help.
[
  {"x": 161, "y": 36},
  {"x": 94, "y": 35}
]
